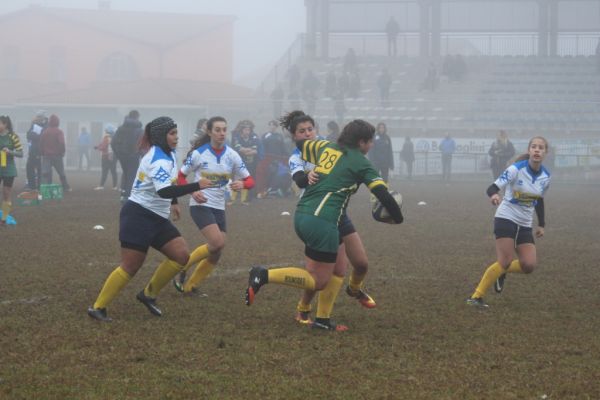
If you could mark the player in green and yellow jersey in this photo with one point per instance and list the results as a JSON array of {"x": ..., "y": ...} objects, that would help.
[
  {"x": 342, "y": 167},
  {"x": 10, "y": 147}
]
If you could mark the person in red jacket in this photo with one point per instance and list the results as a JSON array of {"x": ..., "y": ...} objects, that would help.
[{"x": 52, "y": 144}]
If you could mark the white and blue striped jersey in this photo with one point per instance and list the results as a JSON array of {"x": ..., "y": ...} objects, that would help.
[
  {"x": 523, "y": 187},
  {"x": 296, "y": 163},
  {"x": 157, "y": 170},
  {"x": 219, "y": 169}
]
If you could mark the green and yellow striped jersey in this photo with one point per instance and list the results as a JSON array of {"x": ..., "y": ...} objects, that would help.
[{"x": 341, "y": 171}]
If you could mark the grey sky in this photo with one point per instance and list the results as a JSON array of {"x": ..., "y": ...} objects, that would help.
[{"x": 263, "y": 30}]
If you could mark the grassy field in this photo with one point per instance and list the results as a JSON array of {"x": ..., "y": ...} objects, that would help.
[{"x": 539, "y": 339}]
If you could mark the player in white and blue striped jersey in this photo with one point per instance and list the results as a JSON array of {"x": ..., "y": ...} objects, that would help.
[{"x": 524, "y": 183}]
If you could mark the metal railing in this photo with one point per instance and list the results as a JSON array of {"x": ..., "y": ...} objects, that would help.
[
  {"x": 429, "y": 164},
  {"x": 465, "y": 43}
]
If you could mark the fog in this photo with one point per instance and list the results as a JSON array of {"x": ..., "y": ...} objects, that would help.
[
  {"x": 263, "y": 28},
  {"x": 465, "y": 69}
]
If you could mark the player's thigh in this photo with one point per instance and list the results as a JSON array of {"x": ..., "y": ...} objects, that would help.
[{"x": 177, "y": 250}]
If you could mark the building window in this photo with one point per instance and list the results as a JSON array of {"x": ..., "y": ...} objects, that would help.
[
  {"x": 10, "y": 62},
  {"x": 57, "y": 63},
  {"x": 118, "y": 67}
]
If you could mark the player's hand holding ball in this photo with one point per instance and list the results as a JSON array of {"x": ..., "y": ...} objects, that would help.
[{"x": 381, "y": 214}]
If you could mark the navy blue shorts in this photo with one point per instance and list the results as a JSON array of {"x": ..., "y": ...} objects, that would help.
[
  {"x": 505, "y": 228},
  {"x": 345, "y": 227},
  {"x": 204, "y": 216},
  {"x": 7, "y": 181},
  {"x": 140, "y": 228}
]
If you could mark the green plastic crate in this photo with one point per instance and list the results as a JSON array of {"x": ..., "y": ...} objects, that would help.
[{"x": 51, "y": 191}]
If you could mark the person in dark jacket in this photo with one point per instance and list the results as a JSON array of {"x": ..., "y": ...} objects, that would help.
[
  {"x": 408, "y": 156},
  {"x": 248, "y": 146},
  {"x": 274, "y": 152},
  {"x": 125, "y": 145},
  {"x": 52, "y": 144},
  {"x": 34, "y": 154},
  {"x": 500, "y": 152},
  {"x": 381, "y": 155}
]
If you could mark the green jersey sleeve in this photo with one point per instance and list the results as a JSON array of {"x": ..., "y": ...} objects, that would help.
[
  {"x": 310, "y": 149},
  {"x": 368, "y": 175}
]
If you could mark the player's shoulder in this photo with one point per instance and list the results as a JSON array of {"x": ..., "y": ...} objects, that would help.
[
  {"x": 201, "y": 149},
  {"x": 521, "y": 164}
]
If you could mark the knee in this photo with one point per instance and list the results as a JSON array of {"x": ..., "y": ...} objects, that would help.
[
  {"x": 527, "y": 267},
  {"x": 182, "y": 258},
  {"x": 216, "y": 246},
  {"x": 361, "y": 267},
  {"x": 320, "y": 284}
]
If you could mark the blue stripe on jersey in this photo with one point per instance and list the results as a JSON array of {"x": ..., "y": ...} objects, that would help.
[
  {"x": 208, "y": 147},
  {"x": 159, "y": 154}
]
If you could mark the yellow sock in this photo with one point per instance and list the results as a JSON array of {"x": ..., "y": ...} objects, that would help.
[
  {"x": 244, "y": 195},
  {"x": 200, "y": 273},
  {"x": 515, "y": 267},
  {"x": 163, "y": 274},
  {"x": 6, "y": 205},
  {"x": 115, "y": 282},
  {"x": 301, "y": 307},
  {"x": 493, "y": 272},
  {"x": 292, "y": 276},
  {"x": 199, "y": 254},
  {"x": 356, "y": 280},
  {"x": 328, "y": 295},
  {"x": 234, "y": 196}
]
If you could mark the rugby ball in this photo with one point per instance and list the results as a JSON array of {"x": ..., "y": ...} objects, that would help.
[{"x": 381, "y": 214}]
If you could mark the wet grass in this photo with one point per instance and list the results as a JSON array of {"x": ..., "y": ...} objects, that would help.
[{"x": 539, "y": 338}]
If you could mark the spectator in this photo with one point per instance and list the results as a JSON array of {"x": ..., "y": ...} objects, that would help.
[
  {"x": 391, "y": 30},
  {"x": 247, "y": 144},
  {"x": 431, "y": 80},
  {"x": 339, "y": 107},
  {"x": 350, "y": 63},
  {"x": 52, "y": 144},
  {"x": 274, "y": 151},
  {"x": 125, "y": 146},
  {"x": 277, "y": 96},
  {"x": 355, "y": 85},
  {"x": 199, "y": 132},
  {"x": 108, "y": 161},
  {"x": 384, "y": 83},
  {"x": 447, "y": 148},
  {"x": 330, "y": 85},
  {"x": 408, "y": 156},
  {"x": 500, "y": 152},
  {"x": 333, "y": 131},
  {"x": 34, "y": 155},
  {"x": 460, "y": 67},
  {"x": 310, "y": 84},
  {"x": 343, "y": 85},
  {"x": 83, "y": 148},
  {"x": 382, "y": 154}
]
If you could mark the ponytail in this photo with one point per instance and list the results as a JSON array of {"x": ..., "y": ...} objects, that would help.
[{"x": 291, "y": 120}]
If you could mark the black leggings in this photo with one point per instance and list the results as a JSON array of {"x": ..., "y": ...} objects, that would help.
[{"x": 109, "y": 165}]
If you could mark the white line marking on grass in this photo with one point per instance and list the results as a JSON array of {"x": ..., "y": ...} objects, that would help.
[{"x": 32, "y": 300}]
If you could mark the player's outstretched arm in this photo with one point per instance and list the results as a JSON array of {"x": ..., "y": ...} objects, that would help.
[{"x": 386, "y": 199}]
